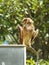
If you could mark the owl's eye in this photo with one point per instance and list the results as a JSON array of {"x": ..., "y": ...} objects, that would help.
[{"x": 28, "y": 23}]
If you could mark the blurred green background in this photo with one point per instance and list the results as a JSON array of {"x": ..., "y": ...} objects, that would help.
[{"x": 13, "y": 11}]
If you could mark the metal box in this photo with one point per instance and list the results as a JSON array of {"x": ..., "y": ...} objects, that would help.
[{"x": 12, "y": 55}]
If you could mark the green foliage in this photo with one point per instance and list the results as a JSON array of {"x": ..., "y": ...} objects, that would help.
[
  {"x": 40, "y": 62},
  {"x": 30, "y": 62},
  {"x": 43, "y": 62}
]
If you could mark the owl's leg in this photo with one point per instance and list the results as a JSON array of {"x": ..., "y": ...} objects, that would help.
[
  {"x": 29, "y": 44},
  {"x": 23, "y": 42}
]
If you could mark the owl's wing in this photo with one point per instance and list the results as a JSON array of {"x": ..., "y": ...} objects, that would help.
[
  {"x": 20, "y": 29},
  {"x": 35, "y": 34}
]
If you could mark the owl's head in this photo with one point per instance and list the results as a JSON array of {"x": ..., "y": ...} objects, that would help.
[{"x": 27, "y": 21}]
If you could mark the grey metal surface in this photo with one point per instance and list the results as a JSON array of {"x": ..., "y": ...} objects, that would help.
[{"x": 14, "y": 55}]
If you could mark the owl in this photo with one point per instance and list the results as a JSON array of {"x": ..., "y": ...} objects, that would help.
[{"x": 27, "y": 32}]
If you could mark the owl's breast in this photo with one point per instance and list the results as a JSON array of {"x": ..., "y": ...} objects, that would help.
[{"x": 27, "y": 34}]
